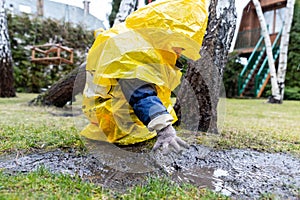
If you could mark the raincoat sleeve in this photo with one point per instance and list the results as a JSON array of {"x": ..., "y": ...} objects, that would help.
[{"x": 142, "y": 96}]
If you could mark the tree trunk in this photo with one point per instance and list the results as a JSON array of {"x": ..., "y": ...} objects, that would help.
[
  {"x": 284, "y": 44},
  {"x": 198, "y": 97},
  {"x": 40, "y": 8},
  {"x": 64, "y": 90},
  {"x": 275, "y": 89},
  {"x": 126, "y": 7},
  {"x": 6, "y": 67}
]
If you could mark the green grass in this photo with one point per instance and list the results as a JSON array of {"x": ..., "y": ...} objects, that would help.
[
  {"x": 25, "y": 128},
  {"x": 42, "y": 184},
  {"x": 26, "y": 138},
  {"x": 163, "y": 188},
  {"x": 257, "y": 125}
]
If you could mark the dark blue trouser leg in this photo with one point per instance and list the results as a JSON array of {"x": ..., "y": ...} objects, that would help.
[{"x": 142, "y": 97}]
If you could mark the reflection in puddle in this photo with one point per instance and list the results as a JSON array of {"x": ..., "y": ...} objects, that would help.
[
  {"x": 201, "y": 177},
  {"x": 204, "y": 178}
]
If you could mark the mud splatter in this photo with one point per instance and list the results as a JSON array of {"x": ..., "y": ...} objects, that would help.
[{"x": 241, "y": 174}]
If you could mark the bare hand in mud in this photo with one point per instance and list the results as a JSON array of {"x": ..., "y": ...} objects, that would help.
[{"x": 167, "y": 140}]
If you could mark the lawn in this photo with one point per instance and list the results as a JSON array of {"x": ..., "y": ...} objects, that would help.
[
  {"x": 244, "y": 124},
  {"x": 26, "y": 128},
  {"x": 254, "y": 124},
  {"x": 261, "y": 126}
]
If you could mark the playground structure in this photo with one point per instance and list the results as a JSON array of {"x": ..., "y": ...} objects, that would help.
[{"x": 255, "y": 75}]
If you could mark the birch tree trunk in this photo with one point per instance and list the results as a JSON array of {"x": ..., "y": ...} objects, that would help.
[
  {"x": 126, "y": 7},
  {"x": 199, "y": 94},
  {"x": 284, "y": 44},
  {"x": 6, "y": 67},
  {"x": 275, "y": 89}
]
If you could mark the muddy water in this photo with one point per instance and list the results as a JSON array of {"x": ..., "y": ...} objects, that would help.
[
  {"x": 241, "y": 174},
  {"x": 248, "y": 174}
]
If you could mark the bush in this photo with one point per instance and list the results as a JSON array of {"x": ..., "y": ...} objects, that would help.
[
  {"x": 231, "y": 73},
  {"x": 292, "y": 93},
  {"x": 25, "y": 32}
]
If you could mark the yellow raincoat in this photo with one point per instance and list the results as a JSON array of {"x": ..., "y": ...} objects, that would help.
[{"x": 143, "y": 48}]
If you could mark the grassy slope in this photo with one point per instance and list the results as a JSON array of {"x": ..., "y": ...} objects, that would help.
[{"x": 247, "y": 124}]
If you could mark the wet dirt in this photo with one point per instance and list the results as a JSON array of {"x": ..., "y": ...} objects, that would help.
[{"x": 240, "y": 174}]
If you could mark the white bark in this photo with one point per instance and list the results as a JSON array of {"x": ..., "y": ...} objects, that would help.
[
  {"x": 275, "y": 88},
  {"x": 5, "y": 52},
  {"x": 126, "y": 7},
  {"x": 284, "y": 43},
  {"x": 6, "y": 68}
]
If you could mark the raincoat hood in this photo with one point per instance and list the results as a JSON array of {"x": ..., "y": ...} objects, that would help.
[
  {"x": 172, "y": 23},
  {"x": 148, "y": 37}
]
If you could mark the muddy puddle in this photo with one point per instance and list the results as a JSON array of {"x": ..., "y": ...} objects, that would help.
[{"x": 240, "y": 174}]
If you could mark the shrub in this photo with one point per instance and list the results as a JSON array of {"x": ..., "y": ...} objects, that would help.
[{"x": 25, "y": 31}]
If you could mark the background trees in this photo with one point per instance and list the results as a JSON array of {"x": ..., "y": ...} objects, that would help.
[
  {"x": 6, "y": 69},
  {"x": 292, "y": 80},
  {"x": 115, "y": 9}
]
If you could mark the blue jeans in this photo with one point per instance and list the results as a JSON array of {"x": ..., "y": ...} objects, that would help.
[{"x": 142, "y": 96}]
